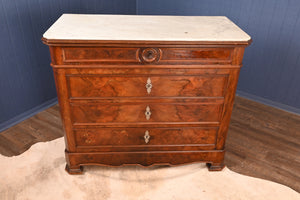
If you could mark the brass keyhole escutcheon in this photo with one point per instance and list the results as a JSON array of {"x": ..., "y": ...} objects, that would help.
[
  {"x": 148, "y": 85},
  {"x": 148, "y": 113},
  {"x": 147, "y": 136}
]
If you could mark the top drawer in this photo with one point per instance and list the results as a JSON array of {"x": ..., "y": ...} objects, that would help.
[{"x": 151, "y": 55}]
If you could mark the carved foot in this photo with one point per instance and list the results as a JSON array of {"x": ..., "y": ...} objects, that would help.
[
  {"x": 74, "y": 169},
  {"x": 215, "y": 166}
]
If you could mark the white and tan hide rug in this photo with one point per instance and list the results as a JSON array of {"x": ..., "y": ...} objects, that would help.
[{"x": 39, "y": 174}]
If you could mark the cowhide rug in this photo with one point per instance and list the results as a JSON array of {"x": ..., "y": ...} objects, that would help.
[{"x": 39, "y": 174}]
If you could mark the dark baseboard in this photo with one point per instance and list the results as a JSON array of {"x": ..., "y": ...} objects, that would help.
[
  {"x": 268, "y": 102},
  {"x": 29, "y": 113}
]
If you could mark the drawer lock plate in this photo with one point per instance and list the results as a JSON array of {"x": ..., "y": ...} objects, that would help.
[
  {"x": 148, "y": 85},
  {"x": 147, "y": 136},
  {"x": 148, "y": 113}
]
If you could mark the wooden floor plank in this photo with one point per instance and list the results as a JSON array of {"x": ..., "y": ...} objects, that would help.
[{"x": 262, "y": 141}]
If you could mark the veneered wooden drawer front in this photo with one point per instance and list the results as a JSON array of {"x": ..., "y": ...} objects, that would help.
[
  {"x": 135, "y": 86},
  {"x": 136, "y": 136},
  {"x": 138, "y": 112},
  {"x": 144, "y": 55}
]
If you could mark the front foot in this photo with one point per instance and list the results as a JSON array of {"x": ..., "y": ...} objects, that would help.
[
  {"x": 74, "y": 169},
  {"x": 215, "y": 166}
]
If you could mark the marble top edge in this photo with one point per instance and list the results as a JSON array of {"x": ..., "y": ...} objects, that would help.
[
  {"x": 145, "y": 28},
  {"x": 125, "y": 15}
]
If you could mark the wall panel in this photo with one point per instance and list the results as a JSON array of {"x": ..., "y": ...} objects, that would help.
[
  {"x": 26, "y": 79},
  {"x": 272, "y": 62}
]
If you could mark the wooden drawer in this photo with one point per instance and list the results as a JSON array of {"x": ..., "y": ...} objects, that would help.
[
  {"x": 145, "y": 136},
  {"x": 146, "y": 55},
  {"x": 93, "y": 86},
  {"x": 92, "y": 113}
]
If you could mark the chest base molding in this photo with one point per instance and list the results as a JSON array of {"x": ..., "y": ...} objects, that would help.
[{"x": 76, "y": 161}]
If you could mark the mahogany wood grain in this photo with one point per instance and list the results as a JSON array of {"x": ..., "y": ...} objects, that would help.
[
  {"x": 62, "y": 94},
  {"x": 102, "y": 55},
  {"x": 94, "y": 85},
  {"x": 137, "y": 55},
  {"x": 227, "y": 109},
  {"x": 115, "y": 137},
  {"x": 146, "y": 148},
  {"x": 123, "y": 70},
  {"x": 191, "y": 55},
  {"x": 135, "y": 112},
  {"x": 102, "y": 86},
  {"x": 77, "y": 160}
]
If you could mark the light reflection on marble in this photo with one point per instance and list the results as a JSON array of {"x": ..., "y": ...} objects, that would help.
[{"x": 148, "y": 28}]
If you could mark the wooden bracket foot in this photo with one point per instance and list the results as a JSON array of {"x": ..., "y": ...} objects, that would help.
[
  {"x": 74, "y": 169},
  {"x": 215, "y": 166}
]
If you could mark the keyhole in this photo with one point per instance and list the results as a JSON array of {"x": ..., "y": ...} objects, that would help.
[{"x": 149, "y": 54}]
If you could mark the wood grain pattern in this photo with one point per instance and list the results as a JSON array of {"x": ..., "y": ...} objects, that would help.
[
  {"x": 271, "y": 138},
  {"x": 44, "y": 126},
  {"x": 190, "y": 55},
  {"x": 174, "y": 70},
  {"x": 264, "y": 142},
  {"x": 226, "y": 111},
  {"x": 62, "y": 95},
  {"x": 136, "y": 55},
  {"x": 93, "y": 86},
  {"x": 103, "y": 55},
  {"x": 115, "y": 137},
  {"x": 143, "y": 158},
  {"x": 135, "y": 112}
]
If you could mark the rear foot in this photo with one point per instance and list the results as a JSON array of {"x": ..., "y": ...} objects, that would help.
[{"x": 215, "y": 166}]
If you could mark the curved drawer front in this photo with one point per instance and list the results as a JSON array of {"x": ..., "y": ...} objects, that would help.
[
  {"x": 94, "y": 86},
  {"x": 145, "y": 136},
  {"x": 135, "y": 113}
]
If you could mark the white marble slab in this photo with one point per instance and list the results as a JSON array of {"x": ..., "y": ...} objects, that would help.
[{"x": 142, "y": 27}]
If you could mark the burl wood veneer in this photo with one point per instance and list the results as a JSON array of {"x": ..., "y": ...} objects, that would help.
[{"x": 145, "y": 90}]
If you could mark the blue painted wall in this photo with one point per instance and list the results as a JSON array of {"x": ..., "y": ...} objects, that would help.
[
  {"x": 271, "y": 66},
  {"x": 26, "y": 78},
  {"x": 272, "y": 62}
]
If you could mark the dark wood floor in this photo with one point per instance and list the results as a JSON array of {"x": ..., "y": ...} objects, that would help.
[{"x": 262, "y": 142}]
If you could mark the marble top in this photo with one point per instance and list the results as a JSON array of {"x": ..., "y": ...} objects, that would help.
[{"x": 145, "y": 27}]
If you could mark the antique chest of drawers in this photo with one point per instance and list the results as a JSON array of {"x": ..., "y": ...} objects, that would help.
[{"x": 145, "y": 89}]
